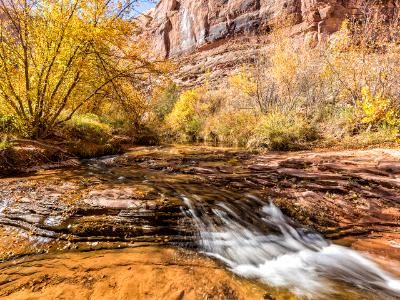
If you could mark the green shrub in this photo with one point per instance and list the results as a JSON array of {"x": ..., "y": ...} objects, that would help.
[
  {"x": 283, "y": 132},
  {"x": 89, "y": 127},
  {"x": 337, "y": 121},
  {"x": 382, "y": 136},
  {"x": 7, "y": 123},
  {"x": 165, "y": 101},
  {"x": 5, "y": 143}
]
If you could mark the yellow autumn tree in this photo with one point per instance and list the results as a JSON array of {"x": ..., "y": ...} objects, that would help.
[
  {"x": 285, "y": 64},
  {"x": 59, "y": 56},
  {"x": 184, "y": 117}
]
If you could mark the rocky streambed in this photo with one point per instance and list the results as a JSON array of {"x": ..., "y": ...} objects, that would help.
[{"x": 139, "y": 202}]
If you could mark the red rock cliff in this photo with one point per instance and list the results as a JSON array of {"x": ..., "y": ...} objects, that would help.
[{"x": 179, "y": 28}]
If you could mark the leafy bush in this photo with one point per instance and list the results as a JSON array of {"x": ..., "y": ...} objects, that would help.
[
  {"x": 165, "y": 100},
  {"x": 147, "y": 135},
  {"x": 7, "y": 123},
  {"x": 230, "y": 128},
  {"x": 282, "y": 132},
  {"x": 337, "y": 121},
  {"x": 89, "y": 127},
  {"x": 243, "y": 82},
  {"x": 5, "y": 143},
  {"x": 377, "y": 110},
  {"x": 184, "y": 121},
  {"x": 381, "y": 136}
]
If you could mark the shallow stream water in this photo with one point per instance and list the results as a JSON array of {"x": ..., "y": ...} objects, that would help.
[{"x": 192, "y": 199}]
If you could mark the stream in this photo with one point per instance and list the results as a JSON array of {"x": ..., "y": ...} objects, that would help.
[
  {"x": 273, "y": 225},
  {"x": 264, "y": 244}
]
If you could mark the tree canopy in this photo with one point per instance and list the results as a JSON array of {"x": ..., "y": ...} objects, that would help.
[{"x": 61, "y": 56}]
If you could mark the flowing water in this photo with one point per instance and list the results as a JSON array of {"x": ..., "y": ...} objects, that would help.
[
  {"x": 263, "y": 244},
  {"x": 108, "y": 204}
]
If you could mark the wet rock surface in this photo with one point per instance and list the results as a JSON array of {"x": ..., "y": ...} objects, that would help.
[
  {"x": 338, "y": 193},
  {"x": 352, "y": 197},
  {"x": 139, "y": 273}
]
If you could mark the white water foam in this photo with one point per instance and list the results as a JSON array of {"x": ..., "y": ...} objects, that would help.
[{"x": 289, "y": 257}]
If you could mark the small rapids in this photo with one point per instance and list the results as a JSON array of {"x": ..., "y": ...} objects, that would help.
[{"x": 257, "y": 241}]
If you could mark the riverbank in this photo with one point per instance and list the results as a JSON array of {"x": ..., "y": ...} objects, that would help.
[{"x": 21, "y": 156}]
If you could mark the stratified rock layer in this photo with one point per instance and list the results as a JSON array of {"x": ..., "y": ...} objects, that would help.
[
  {"x": 212, "y": 29},
  {"x": 352, "y": 197}
]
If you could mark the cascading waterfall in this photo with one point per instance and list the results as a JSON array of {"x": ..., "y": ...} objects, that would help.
[{"x": 262, "y": 243}]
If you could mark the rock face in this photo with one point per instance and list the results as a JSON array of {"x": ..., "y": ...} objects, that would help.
[{"x": 183, "y": 27}]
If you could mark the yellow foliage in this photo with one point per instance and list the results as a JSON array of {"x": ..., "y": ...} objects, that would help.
[
  {"x": 284, "y": 61},
  {"x": 354, "y": 59},
  {"x": 191, "y": 111},
  {"x": 292, "y": 94},
  {"x": 244, "y": 82},
  {"x": 342, "y": 39},
  {"x": 184, "y": 108},
  {"x": 231, "y": 128},
  {"x": 184, "y": 118},
  {"x": 59, "y": 56},
  {"x": 376, "y": 108},
  {"x": 164, "y": 97}
]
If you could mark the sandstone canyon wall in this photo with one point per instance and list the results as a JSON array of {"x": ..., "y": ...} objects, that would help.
[{"x": 217, "y": 35}]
